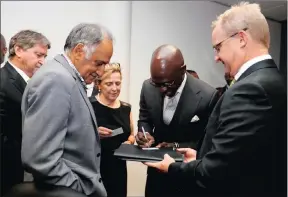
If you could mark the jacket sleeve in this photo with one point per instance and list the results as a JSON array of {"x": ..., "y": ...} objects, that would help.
[
  {"x": 244, "y": 112},
  {"x": 145, "y": 120}
]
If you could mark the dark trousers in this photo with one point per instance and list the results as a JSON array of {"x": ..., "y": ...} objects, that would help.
[
  {"x": 42, "y": 190},
  {"x": 114, "y": 175},
  {"x": 160, "y": 184},
  {"x": 12, "y": 172}
]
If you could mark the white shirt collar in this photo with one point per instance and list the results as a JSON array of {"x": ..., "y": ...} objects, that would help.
[
  {"x": 68, "y": 60},
  {"x": 173, "y": 101},
  {"x": 72, "y": 65},
  {"x": 181, "y": 87},
  {"x": 248, "y": 64},
  {"x": 90, "y": 88},
  {"x": 20, "y": 72}
]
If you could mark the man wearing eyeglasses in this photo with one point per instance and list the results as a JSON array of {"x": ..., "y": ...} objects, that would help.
[
  {"x": 60, "y": 144},
  {"x": 244, "y": 150},
  {"x": 174, "y": 109},
  {"x": 27, "y": 52}
]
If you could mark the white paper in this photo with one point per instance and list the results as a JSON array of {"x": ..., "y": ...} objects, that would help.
[
  {"x": 117, "y": 131},
  {"x": 152, "y": 148}
]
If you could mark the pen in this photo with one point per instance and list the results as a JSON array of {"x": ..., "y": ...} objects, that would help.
[{"x": 143, "y": 130}]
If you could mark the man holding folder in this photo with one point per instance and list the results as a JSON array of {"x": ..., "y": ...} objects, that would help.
[{"x": 174, "y": 110}]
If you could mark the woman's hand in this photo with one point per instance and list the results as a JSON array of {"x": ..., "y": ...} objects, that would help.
[
  {"x": 104, "y": 132},
  {"x": 127, "y": 142}
]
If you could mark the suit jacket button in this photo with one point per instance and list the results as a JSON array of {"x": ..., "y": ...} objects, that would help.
[
  {"x": 100, "y": 180},
  {"x": 98, "y": 155}
]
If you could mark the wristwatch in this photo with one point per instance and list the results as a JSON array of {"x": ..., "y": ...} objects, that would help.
[{"x": 175, "y": 145}]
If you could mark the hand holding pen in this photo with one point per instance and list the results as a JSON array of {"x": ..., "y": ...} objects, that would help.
[{"x": 144, "y": 139}]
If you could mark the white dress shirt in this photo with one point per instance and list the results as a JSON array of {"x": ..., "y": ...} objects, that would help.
[
  {"x": 74, "y": 68},
  {"x": 251, "y": 62},
  {"x": 76, "y": 71},
  {"x": 90, "y": 88},
  {"x": 20, "y": 72},
  {"x": 170, "y": 103}
]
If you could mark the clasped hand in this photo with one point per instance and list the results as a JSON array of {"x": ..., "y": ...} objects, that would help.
[
  {"x": 104, "y": 132},
  {"x": 189, "y": 155}
]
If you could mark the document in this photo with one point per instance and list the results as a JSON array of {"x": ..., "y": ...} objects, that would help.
[
  {"x": 131, "y": 152},
  {"x": 117, "y": 131},
  {"x": 153, "y": 148}
]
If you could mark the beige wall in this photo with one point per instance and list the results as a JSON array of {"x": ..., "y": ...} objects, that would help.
[{"x": 136, "y": 178}]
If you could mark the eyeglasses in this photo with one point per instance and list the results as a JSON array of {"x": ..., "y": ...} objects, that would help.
[
  {"x": 168, "y": 84},
  {"x": 160, "y": 85},
  {"x": 217, "y": 47}
]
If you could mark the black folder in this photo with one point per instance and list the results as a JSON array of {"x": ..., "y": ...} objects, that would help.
[{"x": 134, "y": 153}]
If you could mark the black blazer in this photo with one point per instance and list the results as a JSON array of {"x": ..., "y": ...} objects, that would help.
[
  {"x": 244, "y": 150},
  {"x": 12, "y": 86},
  {"x": 198, "y": 98}
]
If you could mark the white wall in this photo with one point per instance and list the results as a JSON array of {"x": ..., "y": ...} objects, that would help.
[
  {"x": 186, "y": 24},
  {"x": 139, "y": 28},
  {"x": 55, "y": 19}
]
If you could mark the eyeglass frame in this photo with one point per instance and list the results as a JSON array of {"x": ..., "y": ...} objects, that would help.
[
  {"x": 217, "y": 47},
  {"x": 165, "y": 84},
  {"x": 169, "y": 84}
]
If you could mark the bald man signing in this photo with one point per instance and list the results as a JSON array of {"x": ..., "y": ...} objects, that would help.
[{"x": 174, "y": 110}]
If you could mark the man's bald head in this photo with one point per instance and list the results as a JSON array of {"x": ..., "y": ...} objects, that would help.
[
  {"x": 3, "y": 49},
  {"x": 167, "y": 67},
  {"x": 166, "y": 58}
]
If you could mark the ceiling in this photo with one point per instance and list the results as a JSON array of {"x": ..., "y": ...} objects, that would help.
[{"x": 273, "y": 10}]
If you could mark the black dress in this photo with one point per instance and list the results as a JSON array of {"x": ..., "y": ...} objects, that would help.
[{"x": 113, "y": 170}]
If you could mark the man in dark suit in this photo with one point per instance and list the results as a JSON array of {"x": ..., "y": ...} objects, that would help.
[
  {"x": 3, "y": 49},
  {"x": 244, "y": 150},
  {"x": 174, "y": 109},
  {"x": 27, "y": 50}
]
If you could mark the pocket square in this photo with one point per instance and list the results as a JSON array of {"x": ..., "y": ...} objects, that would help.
[{"x": 195, "y": 119}]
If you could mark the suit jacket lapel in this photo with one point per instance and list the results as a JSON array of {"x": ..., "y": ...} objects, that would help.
[
  {"x": 259, "y": 65},
  {"x": 188, "y": 102},
  {"x": 16, "y": 78},
  {"x": 61, "y": 59},
  {"x": 158, "y": 107}
]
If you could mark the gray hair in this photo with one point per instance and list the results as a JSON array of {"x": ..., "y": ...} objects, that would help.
[
  {"x": 245, "y": 15},
  {"x": 27, "y": 39},
  {"x": 90, "y": 35}
]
